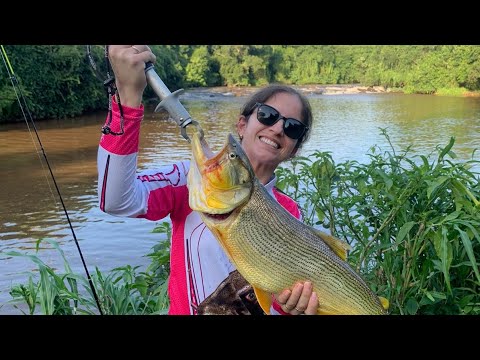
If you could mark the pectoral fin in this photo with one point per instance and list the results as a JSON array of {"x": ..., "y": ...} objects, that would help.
[
  {"x": 264, "y": 299},
  {"x": 338, "y": 246}
]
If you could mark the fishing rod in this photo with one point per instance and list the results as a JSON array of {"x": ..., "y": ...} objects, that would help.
[{"x": 24, "y": 107}]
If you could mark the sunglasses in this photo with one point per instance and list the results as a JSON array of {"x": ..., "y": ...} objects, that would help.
[{"x": 268, "y": 115}]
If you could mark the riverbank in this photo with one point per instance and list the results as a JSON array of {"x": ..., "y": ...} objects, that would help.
[
  {"x": 344, "y": 89},
  {"x": 308, "y": 89}
]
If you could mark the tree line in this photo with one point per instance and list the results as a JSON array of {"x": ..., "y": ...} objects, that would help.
[{"x": 58, "y": 81}]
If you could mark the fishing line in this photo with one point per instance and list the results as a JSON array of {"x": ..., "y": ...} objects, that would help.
[
  {"x": 9, "y": 68},
  {"x": 111, "y": 88},
  {"x": 20, "y": 98}
]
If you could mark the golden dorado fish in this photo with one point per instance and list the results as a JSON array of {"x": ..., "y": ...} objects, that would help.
[{"x": 269, "y": 247}]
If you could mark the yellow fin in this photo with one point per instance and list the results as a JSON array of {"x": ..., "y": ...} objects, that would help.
[
  {"x": 385, "y": 303},
  {"x": 325, "y": 312},
  {"x": 325, "y": 309},
  {"x": 338, "y": 246},
  {"x": 264, "y": 299}
]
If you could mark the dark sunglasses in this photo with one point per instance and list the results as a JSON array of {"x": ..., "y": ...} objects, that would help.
[{"x": 268, "y": 115}]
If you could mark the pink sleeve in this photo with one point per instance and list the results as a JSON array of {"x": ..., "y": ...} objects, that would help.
[{"x": 121, "y": 190}]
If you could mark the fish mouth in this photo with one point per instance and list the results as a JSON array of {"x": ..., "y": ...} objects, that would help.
[
  {"x": 218, "y": 183},
  {"x": 218, "y": 217}
]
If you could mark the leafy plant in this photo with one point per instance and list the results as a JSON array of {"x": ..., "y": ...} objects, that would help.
[
  {"x": 413, "y": 223},
  {"x": 121, "y": 291}
]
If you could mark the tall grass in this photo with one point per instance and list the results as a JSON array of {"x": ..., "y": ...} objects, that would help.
[
  {"x": 414, "y": 223},
  {"x": 121, "y": 291}
]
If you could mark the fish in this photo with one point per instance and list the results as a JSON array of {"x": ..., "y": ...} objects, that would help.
[{"x": 268, "y": 246}]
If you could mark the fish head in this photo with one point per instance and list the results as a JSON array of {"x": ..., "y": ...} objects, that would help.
[{"x": 218, "y": 183}]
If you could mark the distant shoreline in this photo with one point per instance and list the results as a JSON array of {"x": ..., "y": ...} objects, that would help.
[
  {"x": 343, "y": 89},
  {"x": 307, "y": 89}
]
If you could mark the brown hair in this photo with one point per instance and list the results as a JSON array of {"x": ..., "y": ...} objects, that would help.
[{"x": 267, "y": 92}]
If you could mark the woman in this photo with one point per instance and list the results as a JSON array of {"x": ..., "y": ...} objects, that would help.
[{"x": 272, "y": 126}]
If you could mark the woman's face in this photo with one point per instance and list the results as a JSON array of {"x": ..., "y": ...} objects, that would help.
[{"x": 268, "y": 146}]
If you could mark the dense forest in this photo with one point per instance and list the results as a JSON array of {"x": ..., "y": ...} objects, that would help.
[{"x": 59, "y": 81}]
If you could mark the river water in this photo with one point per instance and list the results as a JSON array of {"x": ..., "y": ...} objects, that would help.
[{"x": 346, "y": 125}]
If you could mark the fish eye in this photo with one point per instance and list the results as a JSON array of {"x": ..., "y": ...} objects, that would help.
[{"x": 232, "y": 156}]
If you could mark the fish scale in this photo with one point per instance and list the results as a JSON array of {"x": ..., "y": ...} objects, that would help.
[
  {"x": 270, "y": 248},
  {"x": 267, "y": 235}
]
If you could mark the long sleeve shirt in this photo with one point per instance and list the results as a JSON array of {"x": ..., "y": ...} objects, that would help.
[{"x": 198, "y": 264}]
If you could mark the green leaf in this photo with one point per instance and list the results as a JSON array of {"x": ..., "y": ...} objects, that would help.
[
  {"x": 447, "y": 148},
  {"x": 404, "y": 231},
  {"x": 388, "y": 181},
  {"x": 438, "y": 295},
  {"x": 445, "y": 252},
  {"x": 434, "y": 185},
  {"x": 425, "y": 161},
  {"x": 411, "y": 307},
  {"x": 467, "y": 243},
  {"x": 474, "y": 231},
  {"x": 430, "y": 296},
  {"x": 465, "y": 300},
  {"x": 450, "y": 216},
  {"x": 320, "y": 215}
]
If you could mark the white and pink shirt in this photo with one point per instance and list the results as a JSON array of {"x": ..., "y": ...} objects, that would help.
[{"x": 197, "y": 262}]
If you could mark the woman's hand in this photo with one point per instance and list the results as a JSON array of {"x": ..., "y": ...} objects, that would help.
[
  {"x": 300, "y": 300},
  {"x": 128, "y": 64}
]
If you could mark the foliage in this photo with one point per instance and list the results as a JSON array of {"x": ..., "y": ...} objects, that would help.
[
  {"x": 122, "y": 291},
  {"x": 55, "y": 80},
  {"x": 199, "y": 69},
  {"x": 413, "y": 223},
  {"x": 169, "y": 66},
  {"x": 58, "y": 80},
  {"x": 412, "y": 220},
  {"x": 451, "y": 91}
]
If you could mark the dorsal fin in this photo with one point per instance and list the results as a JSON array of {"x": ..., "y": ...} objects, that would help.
[{"x": 338, "y": 246}]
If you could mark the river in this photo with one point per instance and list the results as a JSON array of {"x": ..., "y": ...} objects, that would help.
[{"x": 346, "y": 125}]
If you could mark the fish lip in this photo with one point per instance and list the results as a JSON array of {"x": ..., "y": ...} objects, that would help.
[
  {"x": 236, "y": 145},
  {"x": 241, "y": 153},
  {"x": 218, "y": 217},
  {"x": 232, "y": 141}
]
